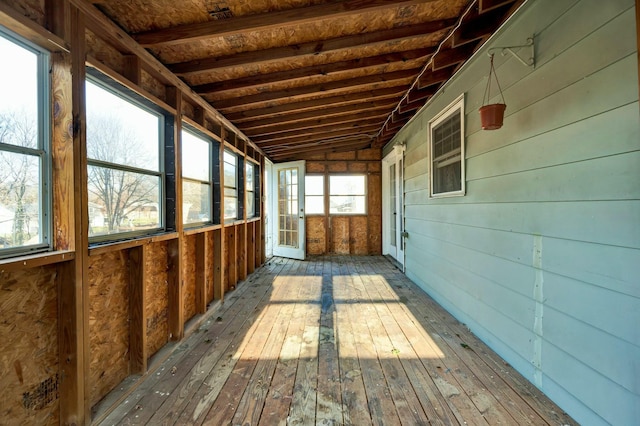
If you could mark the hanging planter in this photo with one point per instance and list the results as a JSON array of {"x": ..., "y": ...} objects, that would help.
[{"x": 492, "y": 115}]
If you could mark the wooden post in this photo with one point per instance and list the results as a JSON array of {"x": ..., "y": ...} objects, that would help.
[
  {"x": 138, "y": 353},
  {"x": 175, "y": 246},
  {"x": 73, "y": 303}
]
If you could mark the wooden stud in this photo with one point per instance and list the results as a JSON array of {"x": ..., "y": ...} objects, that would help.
[
  {"x": 57, "y": 18},
  {"x": 137, "y": 310},
  {"x": 218, "y": 264},
  {"x": 202, "y": 256},
  {"x": 73, "y": 301},
  {"x": 175, "y": 247},
  {"x": 133, "y": 69}
]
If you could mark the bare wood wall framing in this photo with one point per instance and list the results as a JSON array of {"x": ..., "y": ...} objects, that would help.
[
  {"x": 347, "y": 234},
  {"x": 77, "y": 321}
]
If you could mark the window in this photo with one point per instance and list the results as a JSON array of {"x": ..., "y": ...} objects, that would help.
[
  {"x": 124, "y": 165},
  {"x": 196, "y": 179},
  {"x": 347, "y": 194},
  {"x": 447, "y": 151},
  {"x": 314, "y": 194},
  {"x": 24, "y": 146},
  {"x": 251, "y": 182},
  {"x": 230, "y": 186}
]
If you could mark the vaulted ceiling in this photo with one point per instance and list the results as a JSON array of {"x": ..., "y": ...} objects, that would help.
[{"x": 303, "y": 76}]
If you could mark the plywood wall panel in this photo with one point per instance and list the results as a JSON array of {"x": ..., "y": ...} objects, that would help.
[
  {"x": 314, "y": 167},
  {"x": 189, "y": 276},
  {"x": 340, "y": 235},
  {"x": 358, "y": 240},
  {"x": 29, "y": 347},
  {"x": 157, "y": 294},
  {"x": 108, "y": 322},
  {"x": 316, "y": 229},
  {"x": 340, "y": 166}
]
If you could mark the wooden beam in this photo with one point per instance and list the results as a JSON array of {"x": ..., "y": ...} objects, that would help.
[
  {"x": 57, "y": 18},
  {"x": 487, "y": 5},
  {"x": 265, "y": 21},
  {"x": 317, "y": 122},
  {"x": 316, "y": 104},
  {"x": 31, "y": 30},
  {"x": 73, "y": 282},
  {"x": 392, "y": 79},
  {"x": 318, "y": 137},
  {"x": 110, "y": 32},
  {"x": 435, "y": 77},
  {"x": 325, "y": 112},
  {"x": 278, "y": 138},
  {"x": 479, "y": 25},
  {"x": 296, "y": 153},
  {"x": 310, "y": 49},
  {"x": 449, "y": 57},
  {"x": 324, "y": 70}
]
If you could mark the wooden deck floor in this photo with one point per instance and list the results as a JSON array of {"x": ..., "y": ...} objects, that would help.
[{"x": 333, "y": 340}]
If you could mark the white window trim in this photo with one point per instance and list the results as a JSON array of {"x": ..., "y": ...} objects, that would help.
[{"x": 457, "y": 104}]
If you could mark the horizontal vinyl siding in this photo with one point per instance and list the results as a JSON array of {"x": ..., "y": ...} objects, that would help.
[{"x": 550, "y": 224}]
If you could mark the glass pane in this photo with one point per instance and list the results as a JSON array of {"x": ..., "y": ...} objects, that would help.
[
  {"x": 347, "y": 185},
  {"x": 230, "y": 207},
  {"x": 18, "y": 95},
  {"x": 392, "y": 205},
  {"x": 347, "y": 204},
  {"x": 251, "y": 204},
  {"x": 248, "y": 177},
  {"x": 122, "y": 201},
  {"x": 20, "y": 205},
  {"x": 230, "y": 158},
  {"x": 120, "y": 132},
  {"x": 196, "y": 206},
  {"x": 230, "y": 171},
  {"x": 288, "y": 207},
  {"x": 314, "y": 204},
  {"x": 195, "y": 157},
  {"x": 314, "y": 185},
  {"x": 447, "y": 178}
]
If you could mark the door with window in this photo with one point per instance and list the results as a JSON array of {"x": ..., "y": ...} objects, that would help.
[
  {"x": 393, "y": 204},
  {"x": 288, "y": 210}
]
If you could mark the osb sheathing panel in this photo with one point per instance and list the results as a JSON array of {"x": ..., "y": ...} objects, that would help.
[
  {"x": 375, "y": 234},
  {"x": 189, "y": 276},
  {"x": 375, "y": 167},
  {"x": 358, "y": 239},
  {"x": 316, "y": 228},
  {"x": 374, "y": 192},
  {"x": 104, "y": 52},
  {"x": 309, "y": 31},
  {"x": 241, "y": 250},
  {"x": 108, "y": 322},
  {"x": 340, "y": 166},
  {"x": 357, "y": 167},
  {"x": 350, "y": 155},
  {"x": 188, "y": 110},
  {"x": 29, "y": 347},
  {"x": 153, "y": 85},
  {"x": 32, "y": 9},
  {"x": 156, "y": 296},
  {"x": 370, "y": 154},
  {"x": 340, "y": 234},
  {"x": 314, "y": 167}
]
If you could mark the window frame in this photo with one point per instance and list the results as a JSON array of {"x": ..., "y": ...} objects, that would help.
[
  {"x": 210, "y": 182},
  {"x": 323, "y": 196},
  {"x": 164, "y": 120},
  {"x": 236, "y": 187},
  {"x": 455, "y": 107},
  {"x": 329, "y": 194},
  {"x": 42, "y": 151},
  {"x": 255, "y": 190}
]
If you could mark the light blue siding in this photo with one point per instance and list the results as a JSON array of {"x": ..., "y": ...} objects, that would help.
[{"x": 541, "y": 257}]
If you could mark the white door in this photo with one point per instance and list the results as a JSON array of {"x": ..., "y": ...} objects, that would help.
[
  {"x": 393, "y": 204},
  {"x": 287, "y": 196}
]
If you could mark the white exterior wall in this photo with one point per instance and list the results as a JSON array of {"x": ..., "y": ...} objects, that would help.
[{"x": 541, "y": 258}]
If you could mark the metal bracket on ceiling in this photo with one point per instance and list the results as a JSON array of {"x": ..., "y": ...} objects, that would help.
[{"x": 527, "y": 62}]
